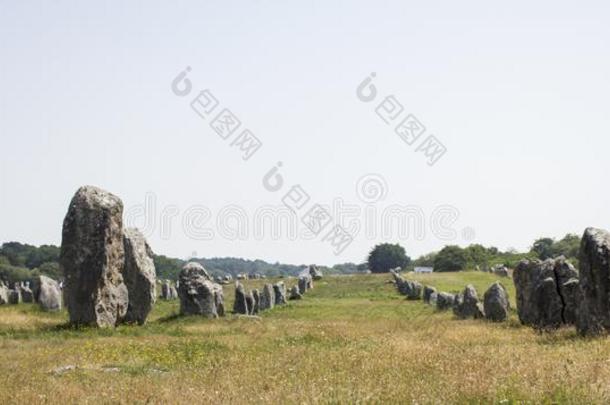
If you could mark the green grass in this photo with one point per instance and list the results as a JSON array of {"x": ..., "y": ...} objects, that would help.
[{"x": 352, "y": 339}]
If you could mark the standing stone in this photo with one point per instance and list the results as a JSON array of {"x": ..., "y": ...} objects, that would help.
[
  {"x": 304, "y": 282},
  {"x": 496, "y": 303},
  {"x": 295, "y": 293},
  {"x": 428, "y": 291},
  {"x": 26, "y": 294},
  {"x": 240, "y": 306},
  {"x": 280, "y": 293},
  {"x": 173, "y": 293},
  {"x": 500, "y": 271},
  {"x": 48, "y": 294},
  {"x": 415, "y": 290},
  {"x": 14, "y": 295},
  {"x": 4, "y": 291},
  {"x": 594, "y": 308},
  {"x": 315, "y": 273},
  {"x": 92, "y": 258},
  {"x": 466, "y": 304},
  {"x": 198, "y": 294},
  {"x": 256, "y": 299},
  {"x": 444, "y": 301},
  {"x": 542, "y": 295},
  {"x": 267, "y": 298},
  {"x": 139, "y": 276},
  {"x": 166, "y": 290},
  {"x": 571, "y": 297},
  {"x": 250, "y": 302}
]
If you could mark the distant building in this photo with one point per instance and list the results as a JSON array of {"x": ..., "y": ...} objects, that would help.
[{"x": 424, "y": 269}]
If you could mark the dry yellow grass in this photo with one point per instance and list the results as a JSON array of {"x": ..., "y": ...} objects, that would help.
[{"x": 351, "y": 340}]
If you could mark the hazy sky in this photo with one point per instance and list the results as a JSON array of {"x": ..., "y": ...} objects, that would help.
[{"x": 516, "y": 91}]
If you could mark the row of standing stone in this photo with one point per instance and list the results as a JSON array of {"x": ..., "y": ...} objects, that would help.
[
  {"x": 255, "y": 301},
  {"x": 495, "y": 305},
  {"x": 44, "y": 291},
  {"x": 550, "y": 293}
]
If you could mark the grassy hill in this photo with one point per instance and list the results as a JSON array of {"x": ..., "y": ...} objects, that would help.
[{"x": 351, "y": 339}]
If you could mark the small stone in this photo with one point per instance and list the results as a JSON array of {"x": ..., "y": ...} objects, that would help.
[{"x": 496, "y": 303}]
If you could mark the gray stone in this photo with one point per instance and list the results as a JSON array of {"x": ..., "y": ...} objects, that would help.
[
  {"x": 26, "y": 293},
  {"x": 166, "y": 292},
  {"x": 279, "y": 290},
  {"x": 173, "y": 293},
  {"x": 315, "y": 273},
  {"x": 542, "y": 294},
  {"x": 240, "y": 306},
  {"x": 444, "y": 301},
  {"x": 496, "y": 303},
  {"x": 4, "y": 291},
  {"x": 49, "y": 294},
  {"x": 92, "y": 258},
  {"x": 570, "y": 293},
  {"x": 594, "y": 306},
  {"x": 295, "y": 293},
  {"x": 267, "y": 297},
  {"x": 304, "y": 283},
  {"x": 14, "y": 296},
  {"x": 250, "y": 303},
  {"x": 139, "y": 276},
  {"x": 428, "y": 291},
  {"x": 501, "y": 271},
  {"x": 256, "y": 299},
  {"x": 466, "y": 304},
  {"x": 198, "y": 294}
]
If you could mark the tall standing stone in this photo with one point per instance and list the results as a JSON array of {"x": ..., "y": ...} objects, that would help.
[
  {"x": 545, "y": 299},
  {"x": 495, "y": 303},
  {"x": 139, "y": 276},
  {"x": 48, "y": 294},
  {"x": 14, "y": 295},
  {"x": 240, "y": 305},
  {"x": 304, "y": 282},
  {"x": 280, "y": 293},
  {"x": 428, "y": 292},
  {"x": 4, "y": 291},
  {"x": 198, "y": 294},
  {"x": 594, "y": 308},
  {"x": 267, "y": 298},
  {"x": 256, "y": 299},
  {"x": 92, "y": 258},
  {"x": 467, "y": 304}
]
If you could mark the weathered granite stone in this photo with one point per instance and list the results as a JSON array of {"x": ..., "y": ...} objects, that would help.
[
  {"x": 240, "y": 306},
  {"x": 26, "y": 294},
  {"x": 295, "y": 293},
  {"x": 139, "y": 276},
  {"x": 444, "y": 301},
  {"x": 49, "y": 294},
  {"x": 14, "y": 296},
  {"x": 570, "y": 294},
  {"x": 466, "y": 304},
  {"x": 496, "y": 303},
  {"x": 542, "y": 294},
  {"x": 92, "y": 258},
  {"x": 198, "y": 294},
  {"x": 4, "y": 291},
  {"x": 267, "y": 298},
  {"x": 594, "y": 307},
  {"x": 304, "y": 283},
  {"x": 428, "y": 291},
  {"x": 250, "y": 303},
  {"x": 279, "y": 290},
  {"x": 256, "y": 299},
  {"x": 315, "y": 273}
]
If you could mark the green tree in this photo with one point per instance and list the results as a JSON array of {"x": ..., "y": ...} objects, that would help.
[
  {"x": 450, "y": 258},
  {"x": 387, "y": 256},
  {"x": 543, "y": 248}
]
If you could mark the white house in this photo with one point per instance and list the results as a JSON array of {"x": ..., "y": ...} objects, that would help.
[{"x": 423, "y": 269}]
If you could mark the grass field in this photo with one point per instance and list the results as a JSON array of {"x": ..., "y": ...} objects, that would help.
[{"x": 352, "y": 339}]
